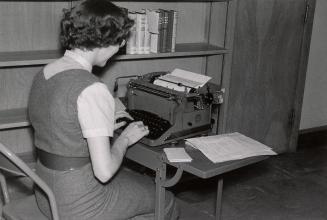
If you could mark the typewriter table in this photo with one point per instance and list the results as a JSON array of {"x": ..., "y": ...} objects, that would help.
[{"x": 155, "y": 159}]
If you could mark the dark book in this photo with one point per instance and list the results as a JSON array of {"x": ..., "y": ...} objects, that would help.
[
  {"x": 161, "y": 30},
  {"x": 170, "y": 26},
  {"x": 164, "y": 31}
]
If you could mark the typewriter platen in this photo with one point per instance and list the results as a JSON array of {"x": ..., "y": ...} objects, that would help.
[{"x": 169, "y": 114}]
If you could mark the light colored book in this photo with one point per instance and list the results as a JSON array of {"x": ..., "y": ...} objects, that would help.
[
  {"x": 177, "y": 154},
  {"x": 153, "y": 20},
  {"x": 153, "y": 17},
  {"x": 131, "y": 41},
  {"x": 174, "y": 32},
  {"x": 147, "y": 39},
  {"x": 140, "y": 31},
  {"x": 154, "y": 43},
  {"x": 226, "y": 147}
]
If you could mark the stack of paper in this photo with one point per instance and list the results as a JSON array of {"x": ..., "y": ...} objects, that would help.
[
  {"x": 226, "y": 147},
  {"x": 182, "y": 80},
  {"x": 177, "y": 154}
]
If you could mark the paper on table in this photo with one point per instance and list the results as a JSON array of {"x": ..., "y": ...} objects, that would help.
[
  {"x": 177, "y": 154},
  {"x": 233, "y": 146},
  {"x": 182, "y": 80}
]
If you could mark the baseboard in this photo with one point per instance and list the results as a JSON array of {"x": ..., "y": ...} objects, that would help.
[{"x": 313, "y": 137}]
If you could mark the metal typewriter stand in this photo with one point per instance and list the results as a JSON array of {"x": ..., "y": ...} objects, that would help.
[{"x": 155, "y": 159}]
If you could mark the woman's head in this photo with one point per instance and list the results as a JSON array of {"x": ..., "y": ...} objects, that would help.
[{"x": 94, "y": 24}]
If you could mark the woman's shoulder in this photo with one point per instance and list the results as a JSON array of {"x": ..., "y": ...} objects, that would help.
[{"x": 62, "y": 66}]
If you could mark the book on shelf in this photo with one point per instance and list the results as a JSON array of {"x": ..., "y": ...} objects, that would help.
[
  {"x": 154, "y": 31},
  {"x": 146, "y": 36},
  {"x": 131, "y": 41},
  {"x": 164, "y": 31},
  {"x": 227, "y": 147},
  {"x": 140, "y": 32},
  {"x": 174, "y": 30},
  {"x": 154, "y": 23}
]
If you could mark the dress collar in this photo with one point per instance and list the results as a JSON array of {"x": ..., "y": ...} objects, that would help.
[{"x": 79, "y": 59}]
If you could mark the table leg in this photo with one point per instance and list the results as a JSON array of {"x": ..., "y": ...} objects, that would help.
[
  {"x": 160, "y": 192},
  {"x": 219, "y": 198}
]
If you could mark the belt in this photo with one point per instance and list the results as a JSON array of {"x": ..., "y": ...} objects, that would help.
[{"x": 61, "y": 163}]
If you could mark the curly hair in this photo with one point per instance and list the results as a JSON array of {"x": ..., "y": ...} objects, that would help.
[{"x": 94, "y": 24}]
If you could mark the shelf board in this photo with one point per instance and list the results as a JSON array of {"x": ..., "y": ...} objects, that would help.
[
  {"x": 182, "y": 50},
  {"x": 40, "y": 57},
  {"x": 27, "y": 58},
  {"x": 13, "y": 118}
]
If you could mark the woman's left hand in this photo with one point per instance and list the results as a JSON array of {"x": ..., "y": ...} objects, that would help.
[{"x": 121, "y": 114}]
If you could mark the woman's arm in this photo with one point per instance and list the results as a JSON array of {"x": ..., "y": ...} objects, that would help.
[{"x": 107, "y": 159}]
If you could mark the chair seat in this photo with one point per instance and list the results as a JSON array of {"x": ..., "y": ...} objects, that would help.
[{"x": 23, "y": 209}]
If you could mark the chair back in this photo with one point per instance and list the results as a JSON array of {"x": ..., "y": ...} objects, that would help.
[{"x": 11, "y": 163}]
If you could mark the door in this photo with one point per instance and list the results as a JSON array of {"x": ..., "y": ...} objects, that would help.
[{"x": 265, "y": 70}]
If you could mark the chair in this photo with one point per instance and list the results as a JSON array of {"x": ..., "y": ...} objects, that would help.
[{"x": 25, "y": 208}]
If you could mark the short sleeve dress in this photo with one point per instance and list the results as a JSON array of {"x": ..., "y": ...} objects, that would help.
[{"x": 53, "y": 107}]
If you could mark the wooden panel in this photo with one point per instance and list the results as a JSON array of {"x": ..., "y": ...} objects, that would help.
[
  {"x": 311, "y": 4},
  {"x": 30, "y": 25},
  {"x": 18, "y": 140},
  {"x": 13, "y": 118},
  {"x": 267, "y": 50},
  {"x": 15, "y": 85}
]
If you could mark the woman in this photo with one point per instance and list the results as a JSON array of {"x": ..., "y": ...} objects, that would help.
[{"x": 73, "y": 116}]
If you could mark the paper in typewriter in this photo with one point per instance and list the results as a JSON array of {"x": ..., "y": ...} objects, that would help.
[
  {"x": 226, "y": 147},
  {"x": 182, "y": 80}
]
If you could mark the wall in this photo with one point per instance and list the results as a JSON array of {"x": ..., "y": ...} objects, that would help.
[{"x": 314, "y": 109}]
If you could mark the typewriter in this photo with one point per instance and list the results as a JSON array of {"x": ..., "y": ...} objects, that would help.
[{"x": 170, "y": 115}]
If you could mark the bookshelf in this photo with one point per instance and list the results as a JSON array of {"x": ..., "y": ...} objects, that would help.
[
  {"x": 214, "y": 37},
  {"x": 29, "y": 41}
]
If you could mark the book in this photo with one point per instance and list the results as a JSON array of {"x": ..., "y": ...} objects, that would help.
[
  {"x": 140, "y": 32},
  {"x": 131, "y": 41},
  {"x": 147, "y": 39},
  {"x": 153, "y": 20},
  {"x": 164, "y": 38},
  {"x": 161, "y": 30},
  {"x": 174, "y": 31},
  {"x": 154, "y": 43},
  {"x": 170, "y": 30},
  {"x": 227, "y": 147},
  {"x": 177, "y": 154},
  {"x": 154, "y": 27}
]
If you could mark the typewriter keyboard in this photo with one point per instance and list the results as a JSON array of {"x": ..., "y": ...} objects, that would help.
[{"x": 157, "y": 125}]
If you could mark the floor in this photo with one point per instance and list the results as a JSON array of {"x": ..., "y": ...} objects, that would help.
[{"x": 290, "y": 186}]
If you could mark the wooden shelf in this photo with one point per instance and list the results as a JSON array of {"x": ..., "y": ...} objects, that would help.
[
  {"x": 27, "y": 58},
  {"x": 13, "y": 118},
  {"x": 182, "y": 50},
  {"x": 40, "y": 57},
  {"x": 121, "y": 0}
]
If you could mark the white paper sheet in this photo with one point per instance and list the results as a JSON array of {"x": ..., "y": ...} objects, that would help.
[
  {"x": 182, "y": 80},
  {"x": 234, "y": 146}
]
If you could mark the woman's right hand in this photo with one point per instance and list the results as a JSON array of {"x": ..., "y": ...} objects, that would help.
[{"x": 134, "y": 132}]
